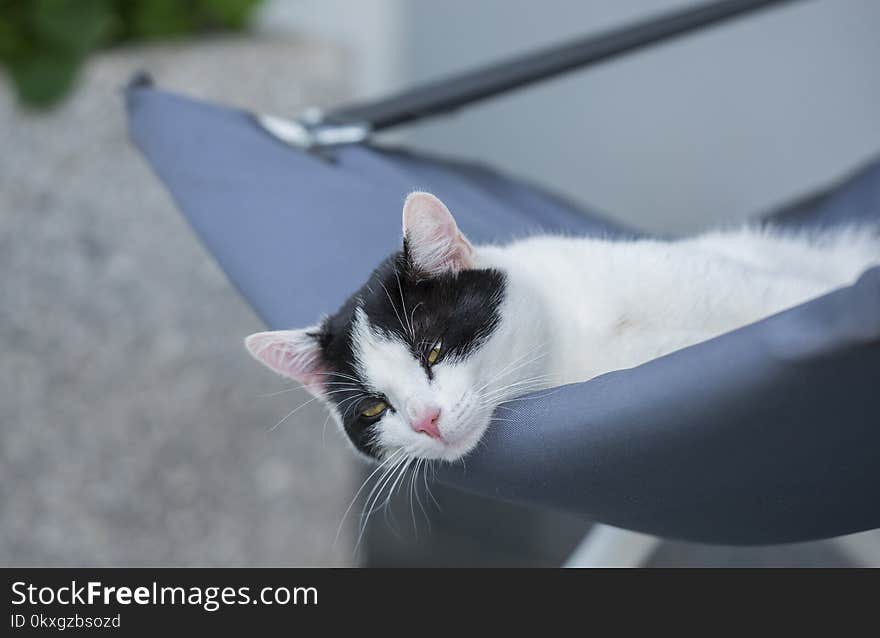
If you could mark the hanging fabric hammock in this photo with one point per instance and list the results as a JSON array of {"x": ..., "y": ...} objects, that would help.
[{"x": 770, "y": 433}]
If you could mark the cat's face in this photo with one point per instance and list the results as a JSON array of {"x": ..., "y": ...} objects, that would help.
[{"x": 406, "y": 364}]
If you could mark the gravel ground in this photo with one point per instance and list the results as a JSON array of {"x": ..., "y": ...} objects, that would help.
[{"x": 132, "y": 430}]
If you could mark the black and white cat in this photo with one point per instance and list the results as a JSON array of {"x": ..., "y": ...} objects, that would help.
[{"x": 417, "y": 360}]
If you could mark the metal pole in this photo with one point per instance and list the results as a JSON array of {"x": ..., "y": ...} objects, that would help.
[{"x": 460, "y": 90}]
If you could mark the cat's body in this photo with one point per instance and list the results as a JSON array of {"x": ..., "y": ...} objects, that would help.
[
  {"x": 595, "y": 305},
  {"x": 416, "y": 361}
]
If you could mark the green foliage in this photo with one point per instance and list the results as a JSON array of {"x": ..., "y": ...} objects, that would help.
[{"x": 43, "y": 43}]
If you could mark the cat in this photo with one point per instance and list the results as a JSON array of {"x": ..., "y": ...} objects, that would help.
[{"x": 416, "y": 362}]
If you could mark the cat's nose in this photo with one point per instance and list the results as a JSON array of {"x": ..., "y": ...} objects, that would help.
[{"x": 424, "y": 417}]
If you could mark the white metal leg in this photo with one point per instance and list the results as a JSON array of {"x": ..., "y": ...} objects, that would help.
[
  {"x": 606, "y": 546},
  {"x": 863, "y": 549}
]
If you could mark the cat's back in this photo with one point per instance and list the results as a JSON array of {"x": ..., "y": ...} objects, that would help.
[
  {"x": 829, "y": 257},
  {"x": 610, "y": 304}
]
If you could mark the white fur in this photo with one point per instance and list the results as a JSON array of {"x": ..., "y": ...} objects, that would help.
[
  {"x": 576, "y": 308},
  {"x": 614, "y": 305}
]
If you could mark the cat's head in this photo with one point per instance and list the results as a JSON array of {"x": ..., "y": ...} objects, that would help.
[{"x": 405, "y": 364}]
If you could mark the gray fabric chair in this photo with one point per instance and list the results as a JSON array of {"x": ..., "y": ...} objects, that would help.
[{"x": 767, "y": 434}]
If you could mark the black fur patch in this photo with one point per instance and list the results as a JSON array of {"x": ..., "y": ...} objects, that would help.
[{"x": 461, "y": 310}]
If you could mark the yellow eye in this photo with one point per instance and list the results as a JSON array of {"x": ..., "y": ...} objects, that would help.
[
  {"x": 374, "y": 410},
  {"x": 435, "y": 352}
]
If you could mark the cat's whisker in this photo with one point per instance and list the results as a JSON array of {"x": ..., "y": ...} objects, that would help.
[
  {"x": 428, "y": 465},
  {"x": 348, "y": 410},
  {"x": 324, "y": 429},
  {"x": 505, "y": 371},
  {"x": 378, "y": 467},
  {"x": 496, "y": 375},
  {"x": 536, "y": 377},
  {"x": 416, "y": 484},
  {"x": 410, "y": 331},
  {"x": 352, "y": 401},
  {"x": 275, "y": 394},
  {"x": 546, "y": 392},
  {"x": 376, "y": 493},
  {"x": 412, "y": 317},
  {"x": 299, "y": 387},
  {"x": 353, "y": 391},
  {"x": 414, "y": 491},
  {"x": 370, "y": 501},
  {"x": 300, "y": 407},
  {"x": 398, "y": 485},
  {"x": 505, "y": 394},
  {"x": 341, "y": 390},
  {"x": 348, "y": 388},
  {"x": 520, "y": 365},
  {"x": 387, "y": 512},
  {"x": 392, "y": 484},
  {"x": 521, "y": 382},
  {"x": 397, "y": 481},
  {"x": 338, "y": 374},
  {"x": 292, "y": 412},
  {"x": 492, "y": 403},
  {"x": 412, "y": 507},
  {"x": 334, "y": 376},
  {"x": 434, "y": 479},
  {"x": 394, "y": 307},
  {"x": 516, "y": 388}
]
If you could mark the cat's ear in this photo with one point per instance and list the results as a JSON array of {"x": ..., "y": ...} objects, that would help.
[
  {"x": 432, "y": 240},
  {"x": 296, "y": 354}
]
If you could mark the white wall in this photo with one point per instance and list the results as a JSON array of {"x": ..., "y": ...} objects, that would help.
[
  {"x": 712, "y": 127},
  {"x": 370, "y": 31}
]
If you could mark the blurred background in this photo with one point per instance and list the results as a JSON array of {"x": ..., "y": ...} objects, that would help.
[{"x": 134, "y": 429}]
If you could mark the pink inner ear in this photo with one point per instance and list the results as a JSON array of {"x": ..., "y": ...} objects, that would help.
[
  {"x": 433, "y": 237},
  {"x": 292, "y": 353}
]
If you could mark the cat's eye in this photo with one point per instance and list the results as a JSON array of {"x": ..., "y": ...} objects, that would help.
[
  {"x": 374, "y": 409},
  {"x": 434, "y": 354}
]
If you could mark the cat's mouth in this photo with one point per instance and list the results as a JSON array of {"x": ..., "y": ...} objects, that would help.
[
  {"x": 458, "y": 438},
  {"x": 455, "y": 450}
]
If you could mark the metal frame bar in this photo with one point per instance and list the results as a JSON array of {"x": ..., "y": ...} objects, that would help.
[
  {"x": 607, "y": 546},
  {"x": 470, "y": 87}
]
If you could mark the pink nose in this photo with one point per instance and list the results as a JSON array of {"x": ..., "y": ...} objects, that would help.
[{"x": 424, "y": 418}]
